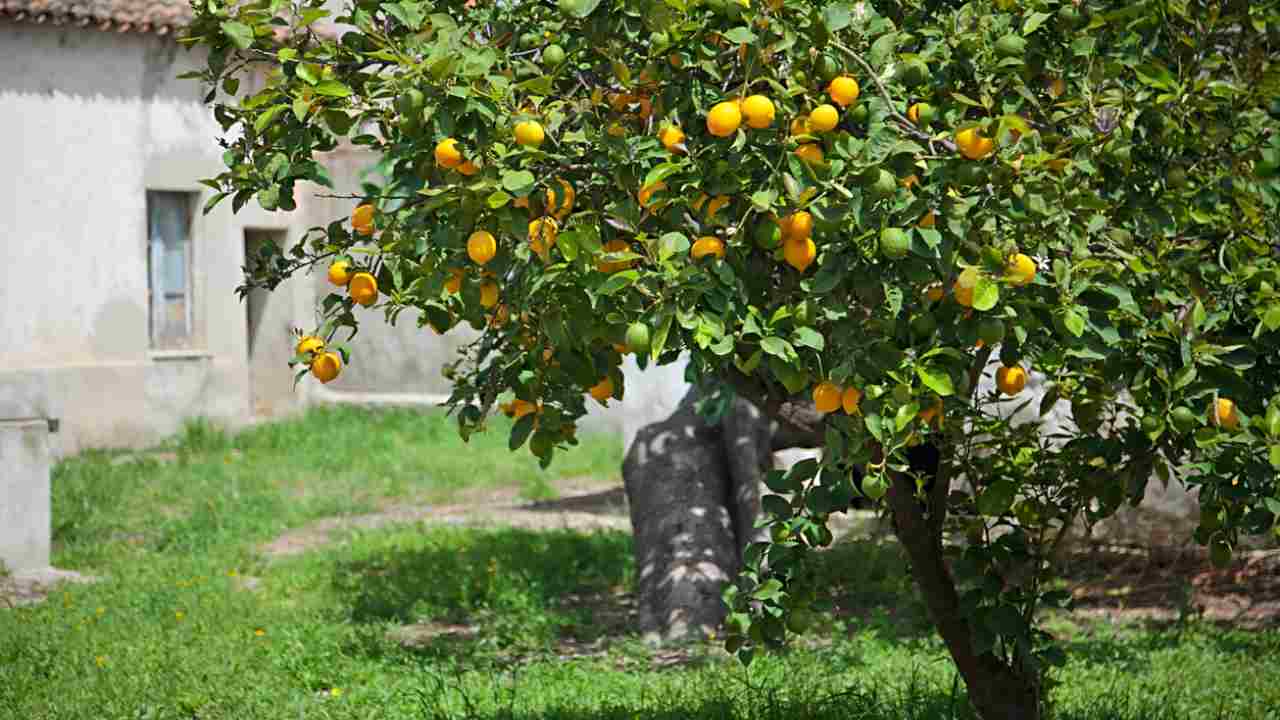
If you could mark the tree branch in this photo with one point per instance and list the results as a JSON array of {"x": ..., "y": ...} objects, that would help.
[
  {"x": 906, "y": 125},
  {"x": 799, "y": 425}
]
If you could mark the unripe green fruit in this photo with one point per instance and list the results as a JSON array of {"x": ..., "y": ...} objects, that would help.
[
  {"x": 894, "y": 243},
  {"x": 553, "y": 56},
  {"x": 902, "y": 394},
  {"x": 1177, "y": 177},
  {"x": 859, "y": 114},
  {"x": 1184, "y": 419},
  {"x": 767, "y": 235},
  {"x": 1151, "y": 424},
  {"x": 924, "y": 326},
  {"x": 529, "y": 40},
  {"x": 638, "y": 338},
  {"x": 912, "y": 73},
  {"x": 991, "y": 331},
  {"x": 1011, "y": 45},
  {"x": 882, "y": 184},
  {"x": 825, "y": 68},
  {"x": 411, "y": 102},
  {"x": 1273, "y": 419},
  {"x": 1068, "y": 15},
  {"x": 875, "y": 485}
]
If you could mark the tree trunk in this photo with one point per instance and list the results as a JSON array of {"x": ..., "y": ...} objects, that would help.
[
  {"x": 694, "y": 492},
  {"x": 996, "y": 690}
]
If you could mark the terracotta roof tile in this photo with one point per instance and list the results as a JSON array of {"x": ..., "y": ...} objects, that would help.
[{"x": 160, "y": 16}]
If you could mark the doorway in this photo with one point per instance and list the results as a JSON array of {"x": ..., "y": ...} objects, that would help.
[{"x": 268, "y": 339}]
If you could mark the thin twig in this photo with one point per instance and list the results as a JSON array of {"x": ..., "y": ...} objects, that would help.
[{"x": 906, "y": 125}]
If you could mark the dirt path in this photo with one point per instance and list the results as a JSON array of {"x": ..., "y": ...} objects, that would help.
[{"x": 586, "y": 504}]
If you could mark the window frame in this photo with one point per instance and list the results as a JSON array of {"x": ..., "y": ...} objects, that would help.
[{"x": 159, "y": 338}]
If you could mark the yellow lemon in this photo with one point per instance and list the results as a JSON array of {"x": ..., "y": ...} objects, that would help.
[
  {"x": 799, "y": 252},
  {"x": 529, "y": 133},
  {"x": 481, "y": 247},
  {"x": 824, "y": 118},
  {"x": 340, "y": 273},
  {"x": 724, "y": 119},
  {"x": 826, "y": 397},
  {"x": 362, "y": 219},
  {"x": 810, "y": 153},
  {"x": 647, "y": 193},
  {"x": 468, "y": 168},
  {"x": 800, "y": 126},
  {"x": 326, "y": 366},
  {"x": 843, "y": 90},
  {"x": 850, "y": 400},
  {"x": 454, "y": 283},
  {"x": 672, "y": 138},
  {"x": 1021, "y": 270},
  {"x": 614, "y": 246},
  {"x": 964, "y": 286},
  {"x": 973, "y": 145},
  {"x": 310, "y": 344},
  {"x": 705, "y": 246},
  {"x": 797, "y": 225},
  {"x": 758, "y": 111},
  {"x": 542, "y": 235},
  {"x": 363, "y": 288},
  {"x": 447, "y": 153},
  {"x": 1227, "y": 415},
  {"x": 602, "y": 391},
  {"x": 1011, "y": 380},
  {"x": 488, "y": 294}
]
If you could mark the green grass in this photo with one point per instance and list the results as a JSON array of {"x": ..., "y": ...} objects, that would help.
[{"x": 168, "y": 631}]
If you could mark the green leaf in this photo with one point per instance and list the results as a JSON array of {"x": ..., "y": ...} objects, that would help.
[
  {"x": 264, "y": 119},
  {"x": 808, "y": 337},
  {"x": 763, "y": 199},
  {"x": 497, "y": 199},
  {"x": 1271, "y": 320},
  {"x": 578, "y": 8},
  {"x": 997, "y": 498},
  {"x": 778, "y": 347},
  {"x": 740, "y": 35},
  {"x": 1034, "y": 21},
  {"x": 672, "y": 244},
  {"x": 986, "y": 293},
  {"x": 660, "y": 173},
  {"x": 837, "y": 17},
  {"x": 906, "y": 413},
  {"x": 659, "y": 341},
  {"x": 238, "y": 33},
  {"x": 332, "y": 88},
  {"x": 882, "y": 49},
  {"x": 618, "y": 281},
  {"x": 521, "y": 431},
  {"x": 936, "y": 379},
  {"x": 519, "y": 182},
  {"x": 1274, "y": 454},
  {"x": 1074, "y": 322}
]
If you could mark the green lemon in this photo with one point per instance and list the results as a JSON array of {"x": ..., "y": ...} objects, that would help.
[
  {"x": 924, "y": 326},
  {"x": 875, "y": 485},
  {"x": 991, "y": 331},
  {"x": 826, "y": 68},
  {"x": 1011, "y": 45},
  {"x": 767, "y": 235},
  {"x": 638, "y": 338},
  {"x": 894, "y": 243},
  {"x": 912, "y": 73},
  {"x": 882, "y": 184},
  {"x": 553, "y": 56},
  {"x": 859, "y": 114},
  {"x": 1152, "y": 424},
  {"x": 1184, "y": 419}
]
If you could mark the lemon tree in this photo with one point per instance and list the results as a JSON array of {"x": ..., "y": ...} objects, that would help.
[{"x": 873, "y": 204}]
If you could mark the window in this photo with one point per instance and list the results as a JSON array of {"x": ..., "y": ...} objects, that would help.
[{"x": 169, "y": 219}]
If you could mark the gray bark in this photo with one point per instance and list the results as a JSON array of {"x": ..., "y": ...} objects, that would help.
[{"x": 694, "y": 494}]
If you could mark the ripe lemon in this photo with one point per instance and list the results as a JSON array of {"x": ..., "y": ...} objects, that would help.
[
  {"x": 798, "y": 224},
  {"x": 481, "y": 247},
  {"x": 758, "y": 111},
  {"x": 811, "y": 153},
  {"x": 1011, "y": 380},
  {"x": 488, "y": 294},
  {"x": 716, "y": 204},
  {"x": 705, "y": 246},
  {"x": 850, "y": 400},
  {"x": 362, "y": 219},
  {"x": 560, "y": 210},
  {"x": 973, "y": 145},
  {"x": 824, "y": 118},
  {"x": 935, "y": 293},
  {"x": 468, "y": 168},
  {"x": 614, "y": 246},
  {"x": 964, "y": 286},
  {"x": 1021, "y": 270},
  {"x": 454, "y": 283},
  {"x": 326, "y": 366},
  {"x": 800, "y": 126},
  {"x": 1227, "y": 416},
  {"x": 843, "y": 90},
  {"x": 826, "y": 397},
  {"x": 647, "y": 193},
  {"x": 363, "y": 288},
  {"x": 340, "y": 273},
  {"x": 309, "y": 344},
  {"x": 542, "y": 235},
  {"x": 447, "y": 153},
  {"x": 602, "y": 391},
  {"x": 799, "y": 252},
  {"x": 520, "y": 408},
  {"x": 529, "y": 133},
  {"x": 724, "y": 119},
  {"x": 672, "y": 138}
]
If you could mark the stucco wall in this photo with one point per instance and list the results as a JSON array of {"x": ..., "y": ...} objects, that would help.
[{"x": 96, "y": 119}]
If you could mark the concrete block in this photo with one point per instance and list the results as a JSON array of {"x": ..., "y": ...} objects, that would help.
[{"x": 25, "y": 515}]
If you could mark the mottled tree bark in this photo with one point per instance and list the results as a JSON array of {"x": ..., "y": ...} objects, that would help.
[{"x": 694, "y": 492}]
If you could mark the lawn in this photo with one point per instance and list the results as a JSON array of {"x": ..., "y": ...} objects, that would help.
[{"x": 190, "y": 620}]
